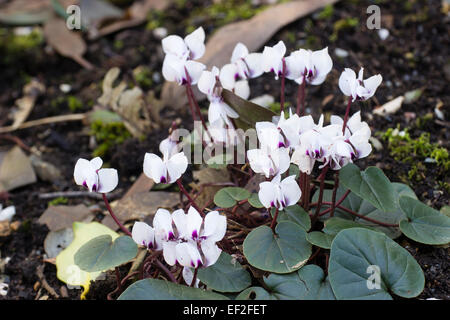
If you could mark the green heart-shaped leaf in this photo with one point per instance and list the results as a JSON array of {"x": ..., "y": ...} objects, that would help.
[
  {"x": 358, "y": 254},
  {"x": 308, "y": 283},
  {"x": 294, "y": 214},
  {"x": 155, "y": 289},
  {"x": 320, "y": 239},
  {"x": 102, "y": 253},
  {"x": 254, "y": 201},
  {"x": 371, "y": 185},
  {"x": 424, "y": 224},
  {"x": 283, "y": 252},
  {"x": 228, "y": 197},
  {"x": 226, "y": 275},
  {"x": 334, "y": 225}
]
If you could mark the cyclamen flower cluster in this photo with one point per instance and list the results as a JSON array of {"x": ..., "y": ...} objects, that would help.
[{"x": 186, "y": 239}]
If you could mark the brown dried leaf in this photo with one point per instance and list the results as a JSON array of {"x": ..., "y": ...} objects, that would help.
[
  {"x": 60, "y": 217},
  {"x": 205, "y": 176},
  {"x": 254, "y": 33},
  {"x": 31, "y": 92},
  {"x": 5, "y": 230},
  {"x": 67, "y": 43},
  {"x": 15, "y": 170}
]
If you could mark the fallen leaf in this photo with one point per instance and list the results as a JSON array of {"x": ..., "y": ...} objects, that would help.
[
  {"x": 25, "y": 104},
  {"x": 5, "y": 230},
  {"x": 25, "y": 12},
  {"x": 60, "y": 217},
  {"x": 390, "y": 107},
  {"x": 209, "y": 176},
  {"x": 95, "y": 12},
  {"x": 15, "y": 170},
  {"x": 254, "y": 33},
  {"x": 67, "y": 43},
  {"x": 57, "y": 241}
]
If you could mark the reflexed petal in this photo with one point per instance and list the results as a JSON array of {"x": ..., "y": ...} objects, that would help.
[
  {"x": 294, "y": 67},
  {"x": 154, "y": 168},
  {"x": 240, "y": 51},
  {"x": 322, "y": 62},
  {"x": 174, "y": 45},
  {"x": 8, "y": 213},
  {"x": 143, "y": 234},
  {"x": 188, "y": 277},
  {"x": 303, "y": 161},
  {"x": 206, "y": 83},
  {"x": 211, "y": 252},
  {"x": 346, "y": 81},
  {"x": 242, "y": 89},
  {"x": 194, "y": 223},
  {"x": 196, "y": 43},
  {"x": 194, "y": 70},
  {"x": 373, "y": 82},
  {"x": 180, "y": 220},
  {"x": 107, "y": 180},
  {"x": 176, "y": 166},
  {"x": 228, "y": 75},
  {"x": 215, "y": 226},
  {"x": 173, "y": 69},
  {"x": 290, "y": 190},
  {"x": 254, "y": 64},
  {"x": 267, "y": 193},
  {"x": 96, "y": 163},
  {"x": 188, "y": 255},
  {"x": 169, "y": 252},
  {"x": 82, "y": 168},
  {"x": 162, "y": 222}
]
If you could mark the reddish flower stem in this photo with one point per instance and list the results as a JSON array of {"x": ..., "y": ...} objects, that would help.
[
  {"x": 301, "y": 97},
  {"x": 274, "y": 220},
  {"x": 347, "y": 112},
  {"x": 381, "y": 223},
  {"x": 166, "y": 271},
  {"x": 333, "y": 197},
  {"x": 191, "y": 201},
  {"x": 121, "y": 226},
  {"x": 319, "y": 203},
  {"x": 194, "y": 279},
  {"x": 337, "y": 203}
]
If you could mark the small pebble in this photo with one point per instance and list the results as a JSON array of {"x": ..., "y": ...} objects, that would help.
[
  {"x": 160, "y": 33},
  {"x": 341, "y": 53},
  {"x": 383, "y": 34},
  {"x": 156, "y": 76},
  {"x": 65, "y": 88}
]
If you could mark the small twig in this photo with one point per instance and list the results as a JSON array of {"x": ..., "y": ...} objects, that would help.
[
  {"x": 76, "y": 194},
  {"x": 41, "y": 276},
  {"x": 49, "y": 120},
  {"x": 16, "y": 140}
]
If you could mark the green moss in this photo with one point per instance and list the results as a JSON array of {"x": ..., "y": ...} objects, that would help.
[
  {"x": 342, "y": 24},
  {"x": 413, "y": 151},
  {"x": 276, "y": 107},
  {"x": 155, "y": 19},
  {"x": 74, "y": 103},
  {"x": 143, "y": 77},
  {"x": 421, "y": 122},
  {"x": 326, "y": 13},
  {"x": 13, "y": 47},
  {"x": 118, "y": 44},
  {"x": 108, "y": 135},
  {"x": 58, "y": 201}
]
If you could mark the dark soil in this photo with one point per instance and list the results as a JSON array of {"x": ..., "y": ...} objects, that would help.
[{"x": 412, "y": 57}]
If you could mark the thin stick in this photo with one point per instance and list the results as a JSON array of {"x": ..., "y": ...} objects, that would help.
[
  {"x": 49, "y": 120},
  {"x": 121, "y": 226},
  {"x": 76, "y": 194}
]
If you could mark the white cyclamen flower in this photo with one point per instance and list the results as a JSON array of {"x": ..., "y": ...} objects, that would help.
[
  {"x": 179, "y": 65},
  {"x": 314, "y": 66},
  {"x": 244, "y": 65},
  {"x": 273, "y": 57},
  {"x": 88, "y": 174},
  {"x": 279, "y": 194},
  {"x": 7, "y": 214},
  {"x": 358, "y": 88},
  {"x": 166, "y": 170}
]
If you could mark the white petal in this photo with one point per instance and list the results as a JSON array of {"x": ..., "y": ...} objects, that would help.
[
  {"x": 8, "y": 213},
  {"x": 173, "y": 69},
  {"x": 162, "y": 222},
  {"x": 346, "y": 81},
  {"x": 176, "y": 166},
  {"x": 188, "y": 277},
  {"x": 180, "y": 220},
  {"x": 154, "y": 168},
  {"x": 194, "y": 70},
  {"x": 194, "y": 223},
  {"x": 107, "y": 180},
  {"x": 169, "y": 252},
  {"x": 240, "y": 51},
  {"x": 143, "y": 234},
  {"x": 291, "y": 191},
  {"x": 294, "y": 67},
  {"x": 96, "y": 163},
  {"x": 215, "y": 226},
  {"x": 266, "y": 194},
  {"x": 254, "y": 64},
  {"x": 82, "y": 167},
  {"x": 188, "y": 255},
  {"x": 195, "y": 42},
  {"x": 242, "y": 89},
  {"x": 211, "y": 252},
  {"x": 174, "y": 45},
  {"x": 372, "y": 83},
  {"x": 228, "y": 75},
  {"x": 322, "y": 62},
  {"x": 206, "y": 83},
  {"x": 302, "y": 160}
]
